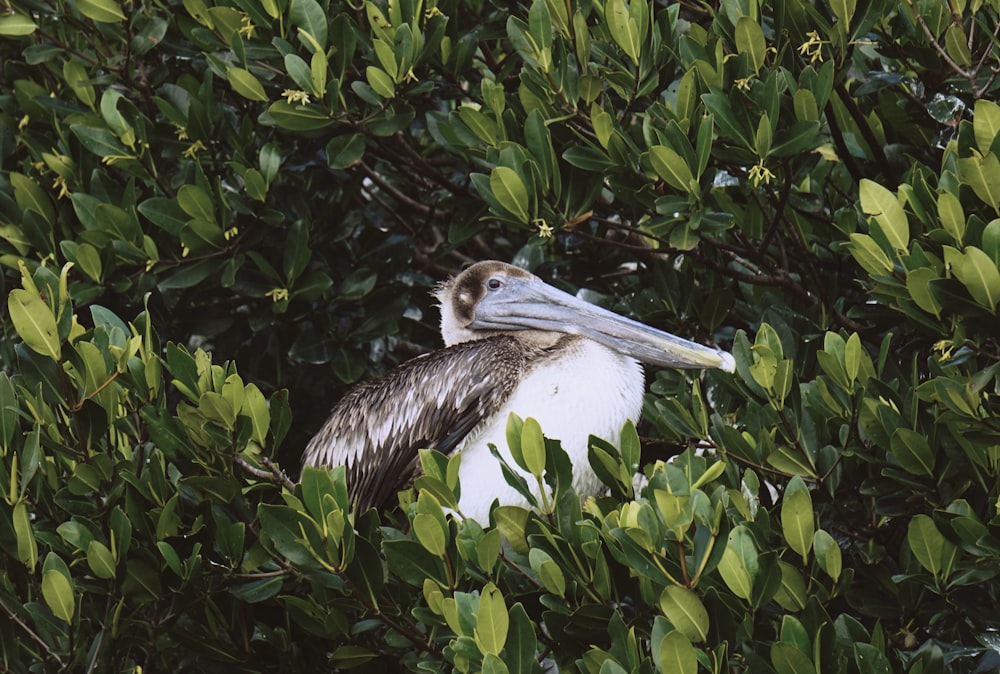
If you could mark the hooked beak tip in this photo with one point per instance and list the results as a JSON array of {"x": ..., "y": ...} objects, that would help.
[{"x": 728, "y": 363}]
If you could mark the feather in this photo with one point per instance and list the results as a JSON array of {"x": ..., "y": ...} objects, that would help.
[{"x": 444, "y": 395}]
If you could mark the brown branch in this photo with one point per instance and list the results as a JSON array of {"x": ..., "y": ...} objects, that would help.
[
  {"x": 272, "y": 474},
  {"x": 423, "y": 209}
]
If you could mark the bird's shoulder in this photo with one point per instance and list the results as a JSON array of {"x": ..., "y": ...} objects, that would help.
[{"x": 431, "y": 401}]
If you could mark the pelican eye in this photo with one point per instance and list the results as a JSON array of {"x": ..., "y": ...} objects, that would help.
[{"x": 494, "y": 284}]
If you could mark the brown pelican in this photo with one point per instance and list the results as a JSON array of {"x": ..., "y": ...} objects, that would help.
[{"x": 513, "y": 344}]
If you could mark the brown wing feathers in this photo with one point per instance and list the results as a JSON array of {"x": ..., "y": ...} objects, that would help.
[{"x": 432, "y": 401}]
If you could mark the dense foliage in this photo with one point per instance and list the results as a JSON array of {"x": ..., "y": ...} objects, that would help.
[{"x": 217, "y": 214}]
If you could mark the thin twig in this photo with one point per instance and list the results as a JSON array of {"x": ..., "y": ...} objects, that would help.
[{"x": 272, "y": 474}]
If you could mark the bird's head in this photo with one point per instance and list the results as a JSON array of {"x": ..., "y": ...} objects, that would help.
[{"x": 492, "y": 298}]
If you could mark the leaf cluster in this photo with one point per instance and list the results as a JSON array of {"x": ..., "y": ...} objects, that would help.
[{"x": 190, "y": 185}]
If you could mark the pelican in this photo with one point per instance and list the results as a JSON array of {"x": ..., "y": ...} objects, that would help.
[{"x": 513, "y": 344}]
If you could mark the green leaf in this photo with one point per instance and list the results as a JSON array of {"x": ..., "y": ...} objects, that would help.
[
  {"x": 991, "y": 241},
  {"x": 879, "y": 202},
  {"x": 930, "y": 548},
  {"x": 512, "y": 521},
  {"x": 806, "y": 109},
  {"x": 735, "y": 574},
  {"x": 484, "y": 128},
  {"x": 788, "y": 659},
  {"x": 792, "y": 595},
  {"x": 844, "y": 11},
  {"x": 342, "y": 152},
  {"x": 102, "y": 11},
  {"x": 677, "y": 655},
  {"x": 685, "y": 611},
  {"x": 57, "y": 590},
  {"x": 671, "y": 167},
  {"x": 31, "y": 197},
  {"x": 750, "y": 41},
  {"x": 381, "y": 82},
  {"x": 533, "y": 447},
  {"x": 623, "y": 28},
  {"x": 982, "y": 174},
  {"x": 298, "y": 117},
  {"x": 510, "y": 192},
  {"x": 27, "y": 547},
  {"x": 8, "y": 412},
  {"x": 308, "y": 15},
  {"x": 255, "y": 407},
  {"x": 869, "y": 255},
  {"x": 492, "y": 664},
  {"x": 802, "y": 136},
  {"x": 977, "y": 272},
  {"x": 956, "y": 43},
  {"x": 199, "y": 12},
  {"x": 246, "y": 84},
  {"x": 100, "y": 560},
  {"x": 985, "y": 124},
  {"x": 430, "y": 534},
  {"x": 522, "y": 645},
  {"x": 34, "y": 321},
  {"x": 410, "y": 561},
  {"x": 828, "y": 554},
  {"x": 791, "y": 461},
  {"x": 912, "y": 451},
  {"x": 492, "y": 621},
  {"x": 919, "y": 284},
  {"x": 952, "y": 215},
  {"x": 196, "y": 202},
  {"x": 16, "y": 25},
  {"x": 547, "y": 571},
  {"x": 797, "y": 519}
]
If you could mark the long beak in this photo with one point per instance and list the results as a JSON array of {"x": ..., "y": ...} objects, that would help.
[{"x": 530, "y": 304}]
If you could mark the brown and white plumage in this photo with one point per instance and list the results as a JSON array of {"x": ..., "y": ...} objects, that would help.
[{"x": 514, "y": 344}]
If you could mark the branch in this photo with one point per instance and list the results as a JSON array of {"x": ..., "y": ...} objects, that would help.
[{"x": 272, "y": 474}]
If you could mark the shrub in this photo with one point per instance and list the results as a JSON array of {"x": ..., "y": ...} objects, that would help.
[{"x": 188, "y": 186}]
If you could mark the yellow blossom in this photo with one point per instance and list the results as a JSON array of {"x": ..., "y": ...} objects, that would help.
[
  {"x": 296, "y": 96},
  {"x": 760, "y": 174},
  {"x": 743, "y": 84},
  {"x": 813, "y": 47},
  {"x": 944, "y": 347},
  {"x": 230, "y": 233},
  {"x": 150, "y": 264},
  {"x": 194, "y": 149},
  {"x": 544, "y": 229},
  {"x": 246, "y": 28},
  {"x": 181, "y": 132},
  {"x": 23, "y": 123},
  {"x": 277, "y": 294},
  {"x": 60, "y": 184},
  {"x": 185, "y": 251}
]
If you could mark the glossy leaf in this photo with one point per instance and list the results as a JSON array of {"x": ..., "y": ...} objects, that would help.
[
  {"x": 677, "y": 654},
  {"x": 34, "y": 322},
  {"x": 492, "y": 621},
  {"x": 685, "y": 611},
  {"x": 509, "y": 190},
  {"x": 750, "y": 41},
  {"x": 57, "y": 590},
  {"x": 913, "y": 452},
  {"x": 671, "y": 167},
  {"x": 929, "y": 547},
  {"x": 797, "y": 519},
  {"x": 879, "y": 202}
]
